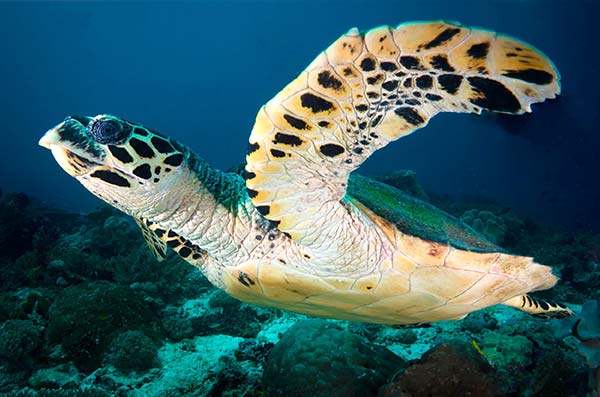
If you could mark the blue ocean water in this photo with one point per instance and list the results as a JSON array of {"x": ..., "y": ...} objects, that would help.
[
  {"x": 198, "y": 71},
  {"x": 86, "y": 310}
]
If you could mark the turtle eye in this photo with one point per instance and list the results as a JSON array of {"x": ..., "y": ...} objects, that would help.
[{"x": 108, "y": 131}]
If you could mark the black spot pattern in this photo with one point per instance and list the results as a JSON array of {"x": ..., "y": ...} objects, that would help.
[
  {"x": 441, "y": 38},
  {"x": 185, "y": 252},
  {"x": 263, "y": 209},
  {"x": 410, "y": 63},
  {"x": 348, "y": 72},
  {"x": 450, "y": 82},
  {"x": 174, "y": 159},
  {"x": 376, "y": 121},
  {"x": 440, "y": 62},
  {"x": 162, "y": 145},
  {"x": 534, "y": 76},
  {"x": 410, "y": 115},
  {"x": 140, "y": 131},
  {"x": 245, "y": 279},
  {"x": 252, "y": 193},
  {"x": 287, "y": 139},
  {"x": 367, "y": 64},
  {"x": 141, "y": 148},
  {"x": 327, "y": 80},
  {"x": 390, "y": 85},
  {"x": 296, "y": 123},
  {"x": 478, "y": 51},
  {"x": 375, "y": 79},
  {"x": 315, "y": 103},
  {"x": 388, "y": 66},
  {"x": 277, "y": 153},
  {"x": 493, "y": 95},
  {"x": 323, "y": 124},
  {"x": 433, "y": 97},
  {"x": 111, "y": 177},
  {"x": 120, "y": 154},
  {"x": 173, "y": 243},
  {"x": 331, "y": 149},
  {"x": 143, "y": 171},
  {"x": 248, "y": 175},
  {"x": 424, "y": 82},
  {"x": 252, "y": 147}
]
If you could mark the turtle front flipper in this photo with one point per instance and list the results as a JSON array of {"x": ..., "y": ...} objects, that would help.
[
  {"x": 156, "y": 245},
  {"x": 538, "y": 307},
  {"x": 366, "y": 90},
  {"x": 159, "y": 238}
]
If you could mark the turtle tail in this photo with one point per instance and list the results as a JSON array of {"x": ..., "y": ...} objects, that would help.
[{"x": 539, "y": 308}]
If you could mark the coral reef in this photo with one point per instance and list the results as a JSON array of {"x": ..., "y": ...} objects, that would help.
[
  {"x": 451, "y": 369},
  {"x": 87, "y": 317},
  {"x": 133, "y": 351},
  {"x": 85, "y": 310},
  {"x": 19, "y": 340},
  {"x": 336, "y": 362},
  {"x": 485, "y": 222}
]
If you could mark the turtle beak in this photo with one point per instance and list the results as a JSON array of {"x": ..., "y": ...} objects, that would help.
[
  {"x": 50, "y": 138},
  {"x": 71, "y": 147}
]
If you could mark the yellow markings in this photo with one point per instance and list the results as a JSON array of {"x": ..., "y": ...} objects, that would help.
[
  {"x": 339, "y": 283},
  {"x": 467, "y": 260},
  {"x": 393, "y": 127},
  {"x": 345, "y": 50},
  {"x": 319, "y": 62},
  {"x": 539, "y": 277},
  {"x": 402, "y": 264},
  {"x": 510, "y": 265},
  {"x": 282, "y": 284},
  {"x": 385, "y": 265},
  {"x": 421, "y": 36},
  {"x": 387, "y": 227},
  {"x": 342, "y": 300},
  {"x": 392, "y": 283},
  {"x": 257, "y": 156},
  {"x": 441, "y": 281},
  {"x": 380, "y": 42},
  {"x": 248, "y": 290},
  {"x": 511, "y": 54},
  {"x": 485, "y": 286},
  {"x": 327, "y": 82},
  {"x": 423, "y": 252},
  {"x": 366, "y": 284},
  {"x": 464, "y": 56},
  {"x": 309, "y": 103},
  {"x": 348, "y": 72},
  {"x": 507, "y": 288},
  {"x": 411, "y": 303},
  {"x": 445, "y": 312},
  {"x": 263, "y": 125}
]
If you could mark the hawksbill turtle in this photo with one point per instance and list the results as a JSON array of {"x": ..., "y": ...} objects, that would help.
[{"x": 296, "y": 229}]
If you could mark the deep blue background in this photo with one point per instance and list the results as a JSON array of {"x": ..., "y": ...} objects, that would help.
[{"x": 199, "y": 71}]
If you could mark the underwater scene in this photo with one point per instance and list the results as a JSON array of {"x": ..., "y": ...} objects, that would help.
[{"x": 180, "y": 213}]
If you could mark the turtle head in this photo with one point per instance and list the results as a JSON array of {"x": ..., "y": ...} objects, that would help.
[{"x": 117, "y": 160}]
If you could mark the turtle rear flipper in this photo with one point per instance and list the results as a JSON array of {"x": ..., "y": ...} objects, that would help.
[
  {"x": 539, "y": 308},
  {"x": 366, "y": 90}
]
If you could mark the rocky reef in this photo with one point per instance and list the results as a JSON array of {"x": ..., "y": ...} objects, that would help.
[{"x": 85, "y": 310}]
